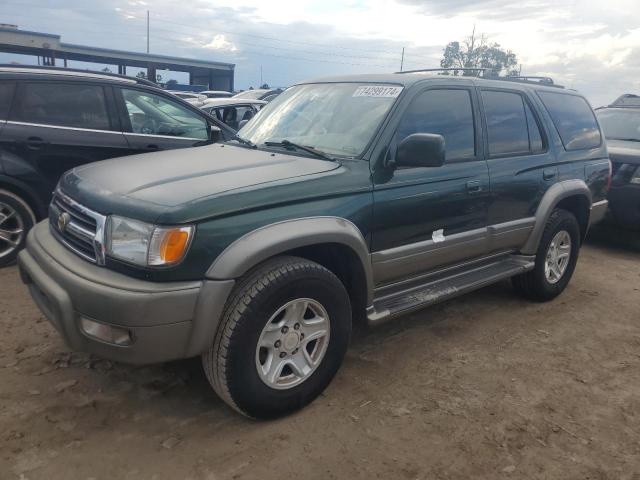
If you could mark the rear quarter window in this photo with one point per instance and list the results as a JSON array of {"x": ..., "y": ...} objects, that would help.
[{"x": 574, "y": 120}]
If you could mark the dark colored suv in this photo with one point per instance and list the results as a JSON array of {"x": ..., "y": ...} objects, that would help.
[
  {"x": 621, "y": 125},
  {"x": 349, "y": 197},
  {"x": 52, "y": 120}
]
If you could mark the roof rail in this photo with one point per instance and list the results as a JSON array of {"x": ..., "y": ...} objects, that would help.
[
  {"x": 490, "y": 74},
  {"x": 480, "y": 69},
  {"x": 75, "y": 72},
  {"x": 531, "y": 78}
]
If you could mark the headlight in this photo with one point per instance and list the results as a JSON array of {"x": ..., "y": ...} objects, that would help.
[{"x": 145, "y": 244}]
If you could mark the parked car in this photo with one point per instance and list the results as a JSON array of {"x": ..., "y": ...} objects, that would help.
[
  {"x": 364, "y": 196},
  {"x": 54, "y": 119},
  {"x": 266, "y": 94},
  {"x": 621, "y": 125},
  {"x": 233, "y": 111},
  {"x": 190, "y": 96},
  {"x": 216, "y": 94}
]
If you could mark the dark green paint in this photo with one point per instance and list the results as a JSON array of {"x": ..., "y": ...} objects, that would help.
[{"x": 228, "y": 191}]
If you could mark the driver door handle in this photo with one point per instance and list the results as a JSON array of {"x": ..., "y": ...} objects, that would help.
[
  {"x": 152, "y": 146},
  {"x": 35, "y": 143},
  {"x": 474, "y": 186}
]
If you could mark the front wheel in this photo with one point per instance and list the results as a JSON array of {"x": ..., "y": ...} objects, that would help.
[
  {"x": 556, "y": 259},
  {"x": 16, "y": 219},
  {"x": 282, "y": 338}
]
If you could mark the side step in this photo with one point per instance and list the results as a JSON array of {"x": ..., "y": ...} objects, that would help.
[{"x": 437, "y": 288}]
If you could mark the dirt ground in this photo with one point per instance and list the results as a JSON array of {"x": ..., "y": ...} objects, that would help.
[{"x": 484, "y": 386}]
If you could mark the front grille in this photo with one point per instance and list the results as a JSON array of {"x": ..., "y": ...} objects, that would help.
[{"x": 81, "y": 231}]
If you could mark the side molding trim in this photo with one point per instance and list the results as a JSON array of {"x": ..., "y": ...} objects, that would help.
[
  {"x": 270, "y": 240},
  {"x": 551, "y": 198}
]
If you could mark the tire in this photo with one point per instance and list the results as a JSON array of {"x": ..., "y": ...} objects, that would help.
[
  {"x": 234, "y": 363},
  {"x": 16, "y": 219},
  {"x": 536, "y": 284}
]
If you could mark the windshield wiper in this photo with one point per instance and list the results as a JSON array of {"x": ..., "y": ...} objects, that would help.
[
  {"x": 243, "y": 141},
  {"x": 314, "y": 151}
]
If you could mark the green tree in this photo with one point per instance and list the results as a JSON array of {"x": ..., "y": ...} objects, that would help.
[
  {"x": 172, "y": 83},
  {"x": 475, "y": 52},
  {"x": 141, "y": 74}
]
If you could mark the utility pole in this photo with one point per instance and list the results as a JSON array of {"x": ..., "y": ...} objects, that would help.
[
  {"x": 147, "y": 31},
  {"x": 402, "y": 59}
]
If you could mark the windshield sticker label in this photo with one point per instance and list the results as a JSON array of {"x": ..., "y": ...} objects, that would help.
[{"x": 382, "y": 91}]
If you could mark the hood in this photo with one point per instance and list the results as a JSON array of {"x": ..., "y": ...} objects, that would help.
[
  {"x": 622, "y": 151},
  {"x": 149, "y": 185}
]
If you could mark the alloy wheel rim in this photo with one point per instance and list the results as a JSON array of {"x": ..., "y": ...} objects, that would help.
[
  {"x": 11, "y": 229},
  {"x": 558, "y": 256},
  {"x": 293, "y": 343}
]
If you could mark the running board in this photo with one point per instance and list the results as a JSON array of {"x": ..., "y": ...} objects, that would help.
[{"x": 437, "y": 288}]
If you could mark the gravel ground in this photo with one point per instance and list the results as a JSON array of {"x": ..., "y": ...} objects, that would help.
[{"x": 484, "y": 386}]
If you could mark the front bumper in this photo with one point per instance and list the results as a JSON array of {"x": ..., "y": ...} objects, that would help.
[{"x": 167, "y": 321}]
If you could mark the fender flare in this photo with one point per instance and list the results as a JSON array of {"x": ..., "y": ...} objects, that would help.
[
  {"x": 551, "y": 198},
  {"x": 265, "y": 242}
]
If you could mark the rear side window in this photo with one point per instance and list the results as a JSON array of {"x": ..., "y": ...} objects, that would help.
[
  {"x": 506, "y": 123},
  {"x": 574, "y": 120},
  {"x": 511, "y": 126},
  {"x": 6, "y": 94},
  {"x": 67, "y": 105},
  {"x": 443, "y": 112}
]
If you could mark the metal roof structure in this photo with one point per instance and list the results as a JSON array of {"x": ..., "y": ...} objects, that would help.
[{"x": 52, "y": 51}]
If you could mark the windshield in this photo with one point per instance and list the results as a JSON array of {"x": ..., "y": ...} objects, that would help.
[
  {"x": 336, "y": 118},
  {"x": 620, "y": 124}
]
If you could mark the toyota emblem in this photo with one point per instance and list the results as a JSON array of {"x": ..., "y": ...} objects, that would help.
[{"x": 63, "y": 221}]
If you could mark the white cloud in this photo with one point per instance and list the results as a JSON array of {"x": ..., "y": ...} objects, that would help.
[
  {"x": 587, "y": 44},
  {"x": 219, "y": 42}
]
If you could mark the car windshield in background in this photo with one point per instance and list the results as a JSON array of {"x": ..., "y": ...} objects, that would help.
[
  {"x": 337, "y": 118},
  {"x": 620, "y": 123}
]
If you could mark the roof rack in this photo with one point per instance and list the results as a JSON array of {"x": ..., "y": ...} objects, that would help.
[
  {"x": 480, "y": 69},
  {"x": 75, "y": 72},
  {"x": 490, "y": 74}
]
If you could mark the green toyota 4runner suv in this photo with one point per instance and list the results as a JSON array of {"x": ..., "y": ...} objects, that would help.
[{"x": 351, "y": 197}]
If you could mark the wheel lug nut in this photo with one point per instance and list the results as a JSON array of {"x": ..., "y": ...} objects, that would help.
[
  {"x": 283, "y": 354},
  {"x": 277, "y": 344},
  {"x": 285, "y": 329},
  {"x": 296, "y": 326}
]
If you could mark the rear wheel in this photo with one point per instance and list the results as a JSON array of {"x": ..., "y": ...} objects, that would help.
[
  {"x": 282, "y": 338},
  {"x": 555, "y": 259},
  {"x": 16, "y": 219}
]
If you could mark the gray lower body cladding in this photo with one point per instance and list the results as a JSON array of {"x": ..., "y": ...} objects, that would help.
[{"x": 166, "y": 320}]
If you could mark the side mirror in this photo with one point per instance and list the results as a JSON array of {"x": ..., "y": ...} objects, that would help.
[
  {"x": 421, "y": 150},
  {"x": 216, "y": 133}
]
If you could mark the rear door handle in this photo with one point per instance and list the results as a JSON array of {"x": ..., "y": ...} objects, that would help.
[
  {"x": 474, "y": 186},
  {"x": 35, "y": 143}
]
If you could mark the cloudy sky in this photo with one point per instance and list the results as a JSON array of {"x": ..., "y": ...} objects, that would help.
[{"x": 593, "y": 46}]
